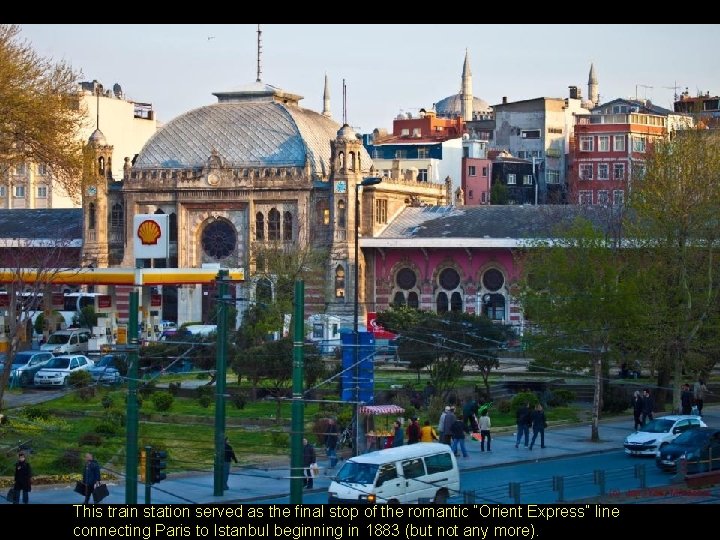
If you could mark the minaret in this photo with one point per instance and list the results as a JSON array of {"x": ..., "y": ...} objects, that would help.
[
  {"x": 593, "y": 90},
  {"x": 466, "y": 94},
  {"x": 326, "y": 99},
  {"x": 95, "y": 201}
]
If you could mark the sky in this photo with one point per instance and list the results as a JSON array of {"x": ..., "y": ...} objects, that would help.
[{"x": 388, "y": 69}]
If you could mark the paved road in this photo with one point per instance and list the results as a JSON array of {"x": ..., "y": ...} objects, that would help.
[{"x": 568, "y": 452}]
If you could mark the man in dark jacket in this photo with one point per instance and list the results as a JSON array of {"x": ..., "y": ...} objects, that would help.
[
  {"x": 229, "y": 456},
  {"x": 308, "y": 461},
  {"x": 91, "y": 476},
  {"x": 686, "y": 399},
  {"x": 23, "y": 474},
  {"x": 413, "y": 431},
  {"x": 523, "y": 419},
  {"x": 647, "y": 406}
]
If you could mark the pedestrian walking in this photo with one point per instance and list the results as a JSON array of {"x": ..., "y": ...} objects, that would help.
[
  {"x": 229, "y": 456},
  {"x": 699, "y": 391},
  {"x": 484, "y": 425},
  {"x": 309, "y": 461},
  {"x": 91, "y": 476},
  {"x": 523, "y": 419},
  {"x": 447, "y": 424},
  {"x": 637, "y": 407},
  {"x": 539, "y": 423},
  {"x": 398, "y": 434},
  {"x": 647, "y": 406},
  {"x": 23, "y": 475},
  {"x": 441, "y": 424},
  {"x": 686, "y": 399},
  {"x": 413, "y": 431},
  {"x": 427, "y": 433},
  {"x": 457, "y": 433}
]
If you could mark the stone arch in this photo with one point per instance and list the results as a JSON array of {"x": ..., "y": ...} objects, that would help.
[
  {"x": 197, "y": 221},
  {"x": 449, "y": 295},
  {"x": 411, "y": 295},
  {"x": 493, "y": 297}
]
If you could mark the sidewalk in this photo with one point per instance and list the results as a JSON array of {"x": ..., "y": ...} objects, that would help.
[{"x": 256, "y": 484}]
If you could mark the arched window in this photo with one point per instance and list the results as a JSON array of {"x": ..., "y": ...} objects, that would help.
[
  {"x": 339, "y": 282},
  {"x": 263, "y": 291},
  {"x": 456, "y": 302},
  {"x": 273, "y": 225},
  {"x": 341, "y": 217},
  {"x": 493, "y": 279},
  {"x": 322, "y": 213},
  {"x": 450, "y": 296},
  {"x": 494, "y": 306},
  {"x": 219, "y": 239},
  {"x": 117, "y": 216},
  {"x": 101, "y": 166},
  {"x": 492, "y": 297},
  {"x": 413, "y": 300},
  {"x": 399, "y": 299},
  {"x": 351, "y": 155},
  {"x": 259, "y": 227},
  {"x": 91, "y": 216},
  {"x": 341, "y": 161},
  {"x": 406, "y": 282},
  {"x": 173, "y": 227},
  {"x": 442, "y": 302},
  {"x": 287, "y": 226}
]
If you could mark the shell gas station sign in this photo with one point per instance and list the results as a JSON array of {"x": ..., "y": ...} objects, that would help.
[{"x": 150, "y": 235}]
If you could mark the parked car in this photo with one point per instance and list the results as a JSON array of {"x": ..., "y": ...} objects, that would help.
[
  {"x": 109, "y": 369},
  {"x": 57, "y": 371},
  {"x": 700, "y": 447},
  {"x": 654, "y": 435},
  {"x": 26, "y": 364},
  {"x": 74, "y": 340}
]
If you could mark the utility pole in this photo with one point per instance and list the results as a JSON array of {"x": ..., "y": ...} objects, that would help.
[
  {"x": 220, "y": 379},
  {"x": 131, "y": 445},
  {"x": 298, "y": 405}
]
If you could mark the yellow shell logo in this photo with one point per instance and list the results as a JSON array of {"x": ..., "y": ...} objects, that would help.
[{"x": 149, "y": 232}]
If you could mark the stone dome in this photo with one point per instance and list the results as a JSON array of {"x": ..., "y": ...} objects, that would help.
[
  {"x": 250, "y": 127},
  {"x": 97, "y": 138},
  {"x": 451, "y": 106}
]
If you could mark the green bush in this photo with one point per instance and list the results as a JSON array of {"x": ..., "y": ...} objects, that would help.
[
  {"x": 238, "y": 399},
  {"x": 205, "y": 395},
  {"x": 85, "y": 393},
  {"x": 106, "y": 428},
  {"x": 174, "y": 388},
  {"x": 615, "y": 400},
  {"x": 560, "y": 397},
  {"x": 115, "y": 417},
  {"x": 37, "y": 413},
  {"x": 147, "y": 388},
  {"x": 107, "y": 401},
  {"x": 90, "y": 439},
  {"x": 80, "y": 379},
  {"x": 522, "y": 398},
  {"x": 280, "y": 439},
  {"x": 68, "y": 461},
  {"x": 205, "y": 401},
  {"x": 162, "y": 400}
]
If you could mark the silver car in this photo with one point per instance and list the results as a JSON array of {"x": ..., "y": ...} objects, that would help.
[{"x": 58, "y": 370}]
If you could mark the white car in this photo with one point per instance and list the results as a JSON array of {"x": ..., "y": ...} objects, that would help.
[
  {"x": 659, "y": 432},
  {"x": 57, "y": 371}
]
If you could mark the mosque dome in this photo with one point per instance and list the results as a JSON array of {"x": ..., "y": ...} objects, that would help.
[
  {"x": 97, "y": 138},
  {"x": 451, "y": 106},
  {"x": 256, "y": 126}
]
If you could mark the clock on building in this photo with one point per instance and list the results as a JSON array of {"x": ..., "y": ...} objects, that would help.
[
  {"x": 340, "y": 186},
  {"x": 92, "y": 191}
]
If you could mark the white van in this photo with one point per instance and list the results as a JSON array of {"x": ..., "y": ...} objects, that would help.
[
  {"x": 406, "y": 474},
  {"x": 68, "y": 342}
]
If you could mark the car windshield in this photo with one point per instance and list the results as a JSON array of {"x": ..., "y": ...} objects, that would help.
[
  {"x": 357, "y": 473},
  {"x": 58, "y": 339},
  {"x": 58, "y": 363},
  {"x": 105, "y": 361},
  {"x": 21, "y": 359},
  {"x": 693, "y": 437},
  {"x": 658, "y": 426}
]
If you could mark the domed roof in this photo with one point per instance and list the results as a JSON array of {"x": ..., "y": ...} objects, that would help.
[
  {"x": 451, "y": 106},
  {"x": 97, "y": 138},
  {"x": 347, "y": 133},
  {"x": 245, "y": 133}
]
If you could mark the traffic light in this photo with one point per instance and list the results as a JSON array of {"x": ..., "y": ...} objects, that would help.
[{"x": 158, "y": 465}]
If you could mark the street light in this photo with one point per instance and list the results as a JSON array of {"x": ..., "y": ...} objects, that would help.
[{"x": 369, "y": 181}]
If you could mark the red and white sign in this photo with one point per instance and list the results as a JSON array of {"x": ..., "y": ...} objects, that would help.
[
  {"x": 378, "y": 331},
  {"x": 151, "y": 236},
  {"x": 104, "y": 301}
]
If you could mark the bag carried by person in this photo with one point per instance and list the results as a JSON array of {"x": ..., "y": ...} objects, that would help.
[
  {"x": 476, "y": 437},
  {"x": 10, "y": 497},
  {"x": 314, "y": 470},
  {"x": 100, "y": 492},
  {"x": 80, "y": 488}
]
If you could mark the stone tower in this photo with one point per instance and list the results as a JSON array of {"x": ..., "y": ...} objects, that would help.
[
  {"x": 326, "y": 100},
  {"x": 593, "y": 90},
  {"x": 345, "y": 175},
  {"x": 95, "y": 202},
  {"x": 466, "y": 92}
]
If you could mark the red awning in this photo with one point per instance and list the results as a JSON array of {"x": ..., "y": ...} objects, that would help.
[{"x": 381, "y": 409}]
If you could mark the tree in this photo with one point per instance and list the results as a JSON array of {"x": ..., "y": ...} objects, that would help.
[
  {"x": 499, "y": 194},
  {"x": 40, "y": 115},
  {"x": 677, "y": 203},
  {"x": 580, "y": 294}
]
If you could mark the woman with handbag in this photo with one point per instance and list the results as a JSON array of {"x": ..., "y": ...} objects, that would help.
[
  {"x": 23, "y": 474},
  {"x": 91, "y": 476}
]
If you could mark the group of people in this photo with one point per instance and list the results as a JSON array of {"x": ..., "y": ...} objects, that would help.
[{"x": 525, "y": 418}]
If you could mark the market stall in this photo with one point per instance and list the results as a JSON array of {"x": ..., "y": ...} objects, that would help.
[{"x": 379, "y": 436}]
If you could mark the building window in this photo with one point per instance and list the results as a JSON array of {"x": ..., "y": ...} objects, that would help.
[
  {"x": 471, "y": 170},
  {"x": 511, "y": 179},
  {"x": 91, "y": 216},
  {"x": 493, "y": 279},
  {"x": 527, "y": 179},
  {"x": 339, "y": 282},
  {"x": 485, "y": 171},
  {"x": 259, "y": 227},
  {"x": 173, "y": 226},
  {"x": 638, "y": 144},
  {"x": 603, "y": 171},
  {"x": 287, "y": 226},
  {"x": 586, "y": 171},
  {"x": 483, "y": 197},
  {"x": 530, "y": 134},
  {"x": 422, "y": 175},
  {"x": 416, "y": 132},
  {"x": 341, "y": 214},
  {"x": 470, "y": 194},
  {"x": 423, "y": 153},
  {"x": 406, "y": 280},
  {"x": 42, "y": 169},
  {"x": 586, "y": 144},
  {"x": 381, "y": 211},
  {"x": 20, "y": 169},
  {"x": 322, "y": 213},
  {"x": 116, "y": 217},
  {"x": 442, "y": 302},
  {"x": 400, "y": 154},
  {"x": 449, "y": 297},
  {"x": 619, "y": 143},
  {"x": 604, "y": 143},
  {"x": 273, "y": 224},
  {"x": 618, "y": 197},
  {"x": 585, "y": 197},
  {"x": 405, "y": 132},
  {"x": 219, "y": 239},
  {"x": 42, "y": 192},
  {"x": 521, "y": 154},
  {"x": 466, "y": 151},
  {"x": 19, "y": 192},
  {"x": 552, "y": 176},
  {"x": 603, "y": 197},
  {"x": 2, "y": 191},
  {"x": 493, "y": 306},
  {"x": 619, "y": 171}
]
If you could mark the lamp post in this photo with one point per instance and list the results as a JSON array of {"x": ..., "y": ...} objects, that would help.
[{"x": 370, "y": 181}]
